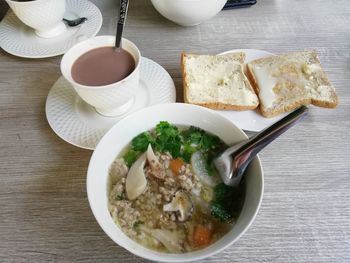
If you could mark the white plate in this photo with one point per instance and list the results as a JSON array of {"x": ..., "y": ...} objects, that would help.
[
  {"x": 20, "y": 40},
  {"x": 79, "y": 124},
  {"x": 250, "y": 120}
]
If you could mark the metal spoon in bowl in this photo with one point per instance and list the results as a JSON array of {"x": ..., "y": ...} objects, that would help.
[
  {"x": 75, "y": 22},
  {"x": 232, "y": 163},
  {"x": 121, "y": 22}
]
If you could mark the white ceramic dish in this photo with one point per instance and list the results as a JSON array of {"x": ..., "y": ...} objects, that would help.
[
  {"x": 188, "y": 12},
  {"x": 250, "y": 120},
  {"x": 79, "y": 124},
  {"x": 122, "y": 133},
  {"x": 20, "y": 40},
  {"x": 113, "y": 99},
  {"x": 44, "y": 16}
]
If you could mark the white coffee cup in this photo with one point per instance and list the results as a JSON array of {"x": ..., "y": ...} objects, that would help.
[
  {"x": 44, "y": 16},
  {"x": 109, "y": 100}
]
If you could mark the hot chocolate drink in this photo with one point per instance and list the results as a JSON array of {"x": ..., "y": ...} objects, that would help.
[{"x": 102, "y": 66}]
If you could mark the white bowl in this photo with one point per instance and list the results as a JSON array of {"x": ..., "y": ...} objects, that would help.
[
  {"x": 188, "y": 12},
  {"x": 176, "y": 113}
]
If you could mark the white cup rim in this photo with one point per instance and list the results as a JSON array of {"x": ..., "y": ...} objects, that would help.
[{"x": 75, "y": 49}]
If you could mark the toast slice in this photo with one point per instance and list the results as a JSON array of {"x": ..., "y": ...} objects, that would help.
[
  {"x": 217, "y": 82},
  {"x": 285, "y": 82}
]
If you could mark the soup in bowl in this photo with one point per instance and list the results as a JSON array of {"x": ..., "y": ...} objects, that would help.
[{"x": 153, "y": 189}]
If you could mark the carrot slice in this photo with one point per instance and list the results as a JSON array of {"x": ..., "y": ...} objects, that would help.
[
  {"x": 175, "y": 165},
  {"x": 201, "y": 236}
]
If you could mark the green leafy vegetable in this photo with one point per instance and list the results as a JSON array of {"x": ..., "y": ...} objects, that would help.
[
  {"x": 210, "y": 169},
  {"x": 168, "y": 139},
  {"x": 130, "y": 157},
  {"x": 228, "y": 201},
  {"x": 223, "y": 192},
  {"x": 201, "y": 139},
  {"x": 220, "y": 212},
  {"x": 173, "y": 148},
  {"x": 192, "y": 136},
  {"x": 119, "y": 197},
  {"x": 166, "y": 130},
  {"x": 223, "y": 202},
  {"x": 187, "y": 151},
  {"x": 141, "y": 141},
  {"x": 137, "y": 224}
]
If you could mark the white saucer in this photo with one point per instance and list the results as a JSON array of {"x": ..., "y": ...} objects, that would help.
[
  {"x": 79, "y": 124},
  {"x": 251, "y": 120},
  {"x": 20, "y": 40}
]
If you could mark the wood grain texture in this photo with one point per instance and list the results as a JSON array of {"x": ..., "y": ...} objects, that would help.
[{"x": 305, "y": 214}]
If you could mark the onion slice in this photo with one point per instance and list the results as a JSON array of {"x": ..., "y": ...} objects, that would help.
[
  {"x": 169, "y": 239},
  {"x": 136, "y": 181}
]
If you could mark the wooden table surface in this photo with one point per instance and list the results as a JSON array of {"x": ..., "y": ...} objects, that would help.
[{"x": 305, "y": 213}]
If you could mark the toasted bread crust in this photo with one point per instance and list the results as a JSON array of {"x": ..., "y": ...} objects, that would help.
[
  {"x": 251, "y": 78},
  {"x": 184, "y": 76},
  {"x": 222, "y": 106},
  {"x": 285, "y": 108}
]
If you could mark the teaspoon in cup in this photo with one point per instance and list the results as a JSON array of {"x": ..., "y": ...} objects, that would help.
[{"x": 121, "y": 22}]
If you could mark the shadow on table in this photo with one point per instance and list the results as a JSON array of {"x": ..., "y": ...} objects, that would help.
[{"x": 3, "y": 9}]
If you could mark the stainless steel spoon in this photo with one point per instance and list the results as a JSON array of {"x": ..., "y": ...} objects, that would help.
[
  {"x": 75, "y": 22},
  {"x": 121, "y": 22},
  {"x": 232, "y": 163}
]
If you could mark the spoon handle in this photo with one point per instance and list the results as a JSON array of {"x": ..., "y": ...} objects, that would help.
[
  {"x": 250, "y": 148},
  {"x": 121, "y": 22}
]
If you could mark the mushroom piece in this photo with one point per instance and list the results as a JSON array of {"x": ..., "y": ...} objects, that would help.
[
  {"x": 152, "y": 158},
  {"x": 136, "y": 182},
  {"x": 157, "y": 169},
  {"x": 169, "y": 239},
  {"x": 182, "y": 204}
]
